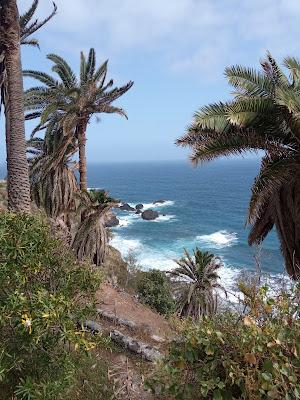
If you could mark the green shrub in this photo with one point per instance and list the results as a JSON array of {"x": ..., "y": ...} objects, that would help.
[
  {"x": 44, "y": 296},
  {"x": 154, "y": 289},
  {"x": 253, "y": 356}
]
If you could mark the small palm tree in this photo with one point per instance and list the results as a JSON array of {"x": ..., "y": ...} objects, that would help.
[
  {"x": 196, "y": 282},
  {"x": 15, "y": 30},
  {"x": 67, "y": 104},
  {"x": 263, "y": 115},
  {"x": 91, "y": 237}
]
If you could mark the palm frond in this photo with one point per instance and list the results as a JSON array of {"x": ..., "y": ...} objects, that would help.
[
  {"x": 101, "y": 73},
  {"x": 44, "y": 78},
  {"x": 212, "y": 117},
  {"x": 83, "y": 68},
  {"x": 63, "y": 69},
  {"x": 231, "y": 144},
  {"x": 91, "y": 64},
  {"x": 29, "y": 29},
  {"x": 293, "y": 65},
  {"x": 250, "y": 82}
]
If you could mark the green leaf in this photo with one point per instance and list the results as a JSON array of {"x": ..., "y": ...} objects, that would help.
[
  {"x": 267, "y": 376},
  {"x": 268, "y": 365},
  {"x": 217, "y": 395}
]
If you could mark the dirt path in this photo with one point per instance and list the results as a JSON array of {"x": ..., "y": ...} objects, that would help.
[
  {"x": 148, "y": 325},
  {"x": 127, "y": 370}
]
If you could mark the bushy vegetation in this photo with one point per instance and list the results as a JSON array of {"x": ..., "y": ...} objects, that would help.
[
  {"x": 154, "y": 289},
  {"x": 251, "y": 356},
  {"x": 45, "y": 295}
]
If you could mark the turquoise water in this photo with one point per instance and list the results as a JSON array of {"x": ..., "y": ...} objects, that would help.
[{"x": 206, "y": 207}]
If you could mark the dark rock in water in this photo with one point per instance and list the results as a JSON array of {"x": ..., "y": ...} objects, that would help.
[
  {"x": 138, "y": 211},
  {"x": 112, "y": 221},
  {"x": 150, "y": 215},
  {"x": 159, "y": 202},
  {"x": 126, "y": 207},
  {"x": 139, "y": 206}
]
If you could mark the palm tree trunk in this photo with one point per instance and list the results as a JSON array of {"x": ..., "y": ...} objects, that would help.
[
  {"x": 288, "y": 226},
  {"x": 82, "y": 156},
  {"x": 17, "y": 167}
]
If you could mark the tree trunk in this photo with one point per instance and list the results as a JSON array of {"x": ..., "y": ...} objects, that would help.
[
  {"x": 82, "y": 156},
  {"x": 17, "y": 166},
  {"x": 288, "y": 226}
]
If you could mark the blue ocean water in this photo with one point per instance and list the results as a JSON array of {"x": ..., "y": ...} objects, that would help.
[{"x": 206, "y": 207}]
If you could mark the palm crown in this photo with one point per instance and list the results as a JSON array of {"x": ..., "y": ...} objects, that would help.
[
  {"x": 28, "y": 27},
  {"x": 65, "y": 104},
  {"x": 263, "y": 115}
]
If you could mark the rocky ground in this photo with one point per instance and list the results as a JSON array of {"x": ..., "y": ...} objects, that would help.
[{"x": 140, "y": 337}]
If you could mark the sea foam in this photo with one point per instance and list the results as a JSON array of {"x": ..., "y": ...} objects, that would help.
[
  {"x": 218, "y": 240},
  {"x": 126, "y": 220},
  {"x": 148, "y": 257},
  {"x": 165, "y": 218},
  {"x": 125, "y": 246},
  {"x": 147, "y": 206}
]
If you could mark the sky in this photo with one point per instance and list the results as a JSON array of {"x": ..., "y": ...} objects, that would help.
[{"x": 175, "y": 51}]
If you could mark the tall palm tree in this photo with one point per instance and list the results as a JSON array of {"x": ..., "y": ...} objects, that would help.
[
  {"x": 15, "y": 30},
  {"x": 196, "y": 282},
  {"x": 68, "y": 103},
  {"x": 263, "y": 115}
]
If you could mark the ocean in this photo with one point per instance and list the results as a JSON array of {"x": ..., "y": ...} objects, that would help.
[{"x": 205, "y": 207}]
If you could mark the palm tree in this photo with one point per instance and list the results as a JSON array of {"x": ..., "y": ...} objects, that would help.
[
  {"x": 15, "y": 30},
  {"x": 263, "y": 115},
  {"x": 68, "y": 103},
  {"x": 196, "y": 282},
  {"x": 91, "y": 238}
]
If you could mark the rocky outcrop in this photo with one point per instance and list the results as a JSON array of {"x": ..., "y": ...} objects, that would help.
[
  {"x": 112, "y": 221},
  {"x": 126, "y": 207},
  {"x": 150, "y": 215},
  {"x": 139, "y": 206},
  {"x": 144, "y": 350},
  {"x": 93, "y": 326},
  {"x": 112, "y": 317}
]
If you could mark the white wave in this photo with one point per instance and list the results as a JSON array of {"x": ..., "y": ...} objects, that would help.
[
  {"x": 165, "y": 218},
  {"x": 126, "y": 220},
  {"x": 148, "y": 258},
  {"x": 155, "y": 261},
  {"x": 125, "y": 245},
  {"x": 218, "y": 240},
  {"x": 148, "y": 206}
]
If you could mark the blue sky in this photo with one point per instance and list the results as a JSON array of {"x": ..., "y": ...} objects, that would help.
[{"x": 174, "y": 50}]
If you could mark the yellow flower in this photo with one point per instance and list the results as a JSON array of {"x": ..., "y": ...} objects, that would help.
[{"x": 27, "y": 322}]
